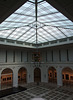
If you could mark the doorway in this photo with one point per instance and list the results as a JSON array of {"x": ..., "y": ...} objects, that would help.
[{"x": 37, "y": 75}]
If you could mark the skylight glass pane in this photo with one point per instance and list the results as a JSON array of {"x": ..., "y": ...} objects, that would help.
[
  {"x": 61, "y": 24},
  {"x": 39, "y": 42},
  {"x": 18, "y": 32},
  {"x": 40, "y": 38},
  {"x": 47, "y": 6},
  {"x": 19, "y": 18},
  {"x": 67, "y": 32},
  {"x": 10, "y": 24},
  {"x": 26, "y": 36},
  {"x": 27, "y": 9},
  {"x": 55, "y": 32},
  {"x": 51, "y": 17},
  {"x": 44, "y": 8},
  {"x": 32, "y": 39},
  {"x": 45, "y": 34},
  {"x": 24, "y": 7},
  {"x": 5, "y": 33}
]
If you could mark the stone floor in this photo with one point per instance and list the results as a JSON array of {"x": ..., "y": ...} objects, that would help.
[{"x": 43, "y": 91}]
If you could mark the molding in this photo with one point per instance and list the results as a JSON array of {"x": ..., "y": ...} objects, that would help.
[{"x": 58, "y": 42}]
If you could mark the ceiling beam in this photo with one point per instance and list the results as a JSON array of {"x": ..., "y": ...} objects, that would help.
[
  {"x": 23, "y": 14},
  {"x": 48, "y": 14}
]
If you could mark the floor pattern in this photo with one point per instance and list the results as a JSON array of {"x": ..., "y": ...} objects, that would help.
[{"x": 44, "y": 91}]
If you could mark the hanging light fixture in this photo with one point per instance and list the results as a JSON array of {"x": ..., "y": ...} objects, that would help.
[{"x": 36, "y": 54}]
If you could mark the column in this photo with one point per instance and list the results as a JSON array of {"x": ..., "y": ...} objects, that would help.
[
  {"x": 15, "y": 77},
  {"x": 59, "y": 76},
  {"x": 44, "y": 73},
  {"x": 30, "y": 74}
]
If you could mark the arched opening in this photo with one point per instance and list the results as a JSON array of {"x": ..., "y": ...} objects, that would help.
[
  {"x": 22, "y": 76},
  {"x": 37, "y": 75},
  {"x": 52, "y": 75},
  {"x": 6, "y": 78},
  {"x": 67, "y": 76}
]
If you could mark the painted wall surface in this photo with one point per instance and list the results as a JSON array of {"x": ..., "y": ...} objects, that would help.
[
  {"x": 55, "y": 55},
  {"x": 70, "y": 52},
  {"x": 9, "y": 56},
  {"x": 2, "y": 55},
  {"x": 58, "y": 55},
  {"x": 63, "y": 55},
  {"x": 24, "y": 56},
  {"x": 17, "y": 56},
  {"x": 49, "y": 56}
]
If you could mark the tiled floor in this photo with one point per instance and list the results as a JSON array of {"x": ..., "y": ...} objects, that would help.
[{"x": 44, "y": 91}]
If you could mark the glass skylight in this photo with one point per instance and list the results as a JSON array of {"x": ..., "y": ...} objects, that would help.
[{"x": 46, "y": 22}]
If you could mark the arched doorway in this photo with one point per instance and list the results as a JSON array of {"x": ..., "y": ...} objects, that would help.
[
  {"x": 52, "y": 75},
  {"x": 67, "y": 76},
  {"x": 22, "y": 76},
  {"x": 37, "y": 75},
  {"x": 6, "y": 78}
]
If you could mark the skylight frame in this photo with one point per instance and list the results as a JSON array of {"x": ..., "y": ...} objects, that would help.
[{"x": 47, "y": 16}]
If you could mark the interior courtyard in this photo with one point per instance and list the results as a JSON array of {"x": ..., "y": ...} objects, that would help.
[{"x": 36, "y": 50}]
